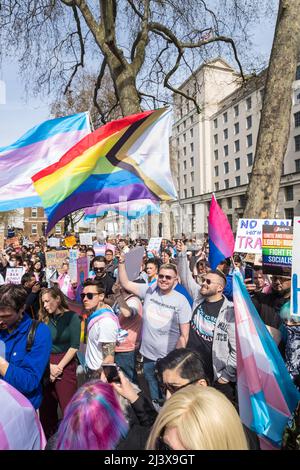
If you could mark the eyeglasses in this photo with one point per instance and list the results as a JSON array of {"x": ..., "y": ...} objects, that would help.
[
  {"x": 208, "y": 281},
  {"x": 173, "y": 388},
  {"x": 89, "y": 295},
  {"x": 167, "y": 277},
  {"x": 99, "y": 269},
  {"x": 280, "y": 279},
  {"x": 160, "y": 444}
]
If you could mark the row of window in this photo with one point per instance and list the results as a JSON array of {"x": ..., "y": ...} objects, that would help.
[
  {"x": 237, "y": 147},
  {"x": 237, "y": 163},
  {"x": 34, "y": 228},
  {"x": 236, "y": 111},
  {"x": 184, "y": 123},
  {"x": 191, "y": 160},
  {"x": 237, "y": 180},
  {"x": 185, "y": 193},
  {"x": 184, "y": 136}
]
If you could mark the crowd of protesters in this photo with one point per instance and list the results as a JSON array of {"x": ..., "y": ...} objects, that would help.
[{"x": 155, "y": 356}]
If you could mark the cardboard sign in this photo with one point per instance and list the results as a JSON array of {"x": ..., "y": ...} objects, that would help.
[
  {"x": 70, "y": 241},
  {"x": 14, "y": 275},
  {"x": 83, "y": 265},
  {"x": 14, "y": 242},
  {"x": 86, "y": 238},
  {"x": 55, "y": 259},
  {"x": 249, "y": 233},
  {"x": 295, "y": 293},
  {"x": 74, "y": 254},
  {"x": 277, "y": 250},
  {"x": 154, "y": 244},
  {"x": 53, "y": 242},
  {"x": 133, "y": 262}
]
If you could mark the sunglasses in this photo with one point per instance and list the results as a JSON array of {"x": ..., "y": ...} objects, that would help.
[
  {"x": 208, "y": 281},
  {"x": 99, "y": 269},
  {"x": 160, "y": 444},
  {"x": 89, "y": 295},
  {"x": 173, "y": 388},
  {"x": 167, "y": 277}
]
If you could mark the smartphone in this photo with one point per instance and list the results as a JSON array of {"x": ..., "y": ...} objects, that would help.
[
  {"x": 111, "y": 372},
  {"x": 249, "y": 273}
]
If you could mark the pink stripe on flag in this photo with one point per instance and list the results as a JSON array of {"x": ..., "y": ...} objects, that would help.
[
  {"x": 219, "y": 230},
  {"x": 4, "y": 445}
]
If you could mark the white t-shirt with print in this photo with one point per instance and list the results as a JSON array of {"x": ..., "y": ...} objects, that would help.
[{"x": 103, "y": 331}]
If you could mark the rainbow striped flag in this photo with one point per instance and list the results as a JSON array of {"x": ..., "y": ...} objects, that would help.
[
  {"x": 127, "y": 158},
  {"x": 220, "y": 236},
  {"x": 20, "y": 427},
  {"x": 266, "y": 392},
  {"x": 38, "y": 148}
]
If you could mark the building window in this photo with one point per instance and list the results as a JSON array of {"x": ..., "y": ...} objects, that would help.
[
  {"x": 236, "y": 110},
  {"x": 237, "y": 164},
  {"x": 248, "y": 103},
  {"x": 229, "y": 217},
  {"x": 216, "y": 138},
  {"x": 192, "y": 192},
  {"x": 237, "y": 128},
  {"x": 188, "y": 107},
  {"x": 184, "y": 164},
  {"x": 177, "y": 141},
  {"x": 185, "y": 193},
  {"x": 216, "y": 123},
  {"x": 184, "y": 124},
  {"x": 34, "y": 212},
  {"x": 248, "y": 122},
  {"x": 184, "y": 179},
  {"x": 192, "y": 119},
  {"x": 225, "y": 132},
  {"x": 226, "y": 168},
  {"x": 297, "y": 119},
  {"x": 192, "y": 161},
  {"x": 226, "y": 184},
  {"x": 184, "y": 137},
  {"x": 249, "y": 140},
  {"x": 58, "y": 229},
  {"x": 184, "y": 151},
  {"x": 289, "y": 193},
  {"x": 229, "y": 203},
  {"x": 34, "y": 229},
  {"x": 237, "y": 145},
  {"x": 250, "y": 159},
  {"x": 289, "y": 213},
  {"x": 217, "y": 186},
  {"x": 249, "y": 176},
  {"x": 216, "y": 171},
  {"x": 191, "y": 133},
  {"x": 216, "y": 153},
  {"x": 192, "y": 176},
  {"x": 225, "y": 117},
  {"x": 297, "y": 96},
  {"x": 237, "y": 180},
  {"x": 297, "y": 163},
  {"x": 298, "y": 72},
  {"x": 297, "y": 143},
  {"x": 192, "y": 147},
  {"x": 225, "y": 150},
  {"x": 178, "y": 128}
]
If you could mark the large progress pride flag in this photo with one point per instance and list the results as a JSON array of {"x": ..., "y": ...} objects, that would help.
[
  {"x": 38, "y": 148},
  {"x": 127, "y": 158}
]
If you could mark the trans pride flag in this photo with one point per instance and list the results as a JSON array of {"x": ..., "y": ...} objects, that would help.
[
  {"x": 129, "y": 209},
  {"x": 20, "y": 427},
  {"x": 267, "y": 395},
  {"x": 127, "y": 158},
  {"x": 38, "y": 148},
  {"x": 220, "y": 236}
]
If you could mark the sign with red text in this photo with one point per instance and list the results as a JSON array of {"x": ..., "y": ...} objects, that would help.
[
  {"x": 277, "y": 245},
  {"x": 249, "y": 233}
]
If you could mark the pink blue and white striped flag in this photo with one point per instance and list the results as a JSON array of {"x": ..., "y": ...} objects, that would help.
[
  {"x": 266, "y": 392},
  {"x": 40, "y": 147},
  {"x": 129, "y": 209},
  {"x": 220, "y": 236},
  {"x": 20, "y": 427}
]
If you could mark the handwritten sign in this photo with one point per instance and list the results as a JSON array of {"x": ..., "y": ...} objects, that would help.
[
  {"x": 70, "y": 241},
  {"x": 55, "y": 259},
  {"x": 82, "y": 269},
  {"x": 249, "y": 233},
  {"x": 154, "y": 244},
  {"x": 277, "y": 250},
  {"x": 86, "y": 238},
  {"x": 53, "y": 242},
  {"x": 14, "y": 275},
  {"x": 295, "y": 294},
  {"x": 73, "y": 256}
]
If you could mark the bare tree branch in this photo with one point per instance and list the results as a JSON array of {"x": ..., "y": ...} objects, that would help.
[{"x": 82, "y": 51}]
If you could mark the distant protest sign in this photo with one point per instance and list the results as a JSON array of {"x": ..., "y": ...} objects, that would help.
[
  {"x": 14, "y": 275},
  {"x": 55, "y": 259},
  {"x": 83, "y": 265},
  {"x": 1, "y": 240},
  {"x": 295, "y": 294},
  {"x": 249, "y": 233},
  {"x": 86, "y": 238},
  {"x": 14, "y": 242},
  {"x": 154, "y": 244},
  {"x": 73, "y": 255},
  {"x": 277, "y": 250},
  {"x": 70, "y": 241},
  {"x": 133, "y": 262},
  {"x": 53, "y": 242}
]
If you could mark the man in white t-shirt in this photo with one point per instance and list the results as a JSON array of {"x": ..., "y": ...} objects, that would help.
[
  {"x": 102, "y": 327},
  {"x": 166, "y": 317}
]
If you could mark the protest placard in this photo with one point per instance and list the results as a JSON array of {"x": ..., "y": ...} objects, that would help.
[
  {"x": 55, "y": 259},
  {"x": 249, "y": 233},
  {"x": 295, "y": 293},
  {"x": 14, "y": 275},
  {"x": 277, "y": 250},
  {"x": 70, "y": 241},
  {"x": 53, "y": 242},
  {"x": 83, "y": 265},
  {"x": 133, "y": 262},
  {"x": 86, "y": 238},
  {"x": 73, "y": 255},
  {"x": 154, "y": 244},
  {"x": 14, "y": 242},
  {"x": 1, "y": 240}
]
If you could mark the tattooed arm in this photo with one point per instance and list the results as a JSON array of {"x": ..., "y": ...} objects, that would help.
[{"x": 108, "y": 352}]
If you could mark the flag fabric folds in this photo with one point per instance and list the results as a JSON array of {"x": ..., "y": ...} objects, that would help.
[
  {"x": 20, "y": 427},
  {"x": 128, "y": 209},
  {"x": 266, "y": 392},
  {"x": 221, "y": 239},
  {"x": 127, "y": 158},
  {"x": 38, "y": 148}
]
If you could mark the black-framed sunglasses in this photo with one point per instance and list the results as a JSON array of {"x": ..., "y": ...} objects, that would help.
[
  {"x": 89, "y": 295},
  {"x": 173, "y": 388},
  {"x": 160, "y": 444},
  {"x": 167, "y": 277},
  {"x": 100, "y": 270}
]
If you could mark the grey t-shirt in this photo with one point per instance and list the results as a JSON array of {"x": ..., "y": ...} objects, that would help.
[{"x": 162, "y": 315}]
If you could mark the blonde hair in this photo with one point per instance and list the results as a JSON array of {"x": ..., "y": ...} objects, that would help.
[{"x": 204, "y": 419}]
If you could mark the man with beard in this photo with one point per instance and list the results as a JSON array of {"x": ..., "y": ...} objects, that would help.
[{"x": 106, "y": 281}]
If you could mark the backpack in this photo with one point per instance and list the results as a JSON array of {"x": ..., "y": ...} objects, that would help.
[{"x": 29, "y": 343}]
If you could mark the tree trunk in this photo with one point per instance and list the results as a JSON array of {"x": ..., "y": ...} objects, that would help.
[
  {"x": 125, "y": 87},
  {"x": 274, "y": 127}
]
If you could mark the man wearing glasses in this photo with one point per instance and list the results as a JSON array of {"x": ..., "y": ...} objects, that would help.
[
  {"x": 102, "y": 328},
  {"x": 166, "y": 316}
]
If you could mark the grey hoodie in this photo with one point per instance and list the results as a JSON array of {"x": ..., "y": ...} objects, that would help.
[{"x": 223, "y": 352}]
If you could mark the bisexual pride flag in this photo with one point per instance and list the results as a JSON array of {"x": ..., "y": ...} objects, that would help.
[{"x": 220, "y": 236}]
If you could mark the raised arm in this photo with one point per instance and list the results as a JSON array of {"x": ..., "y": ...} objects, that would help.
[{"x": 184, "y": 272}]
